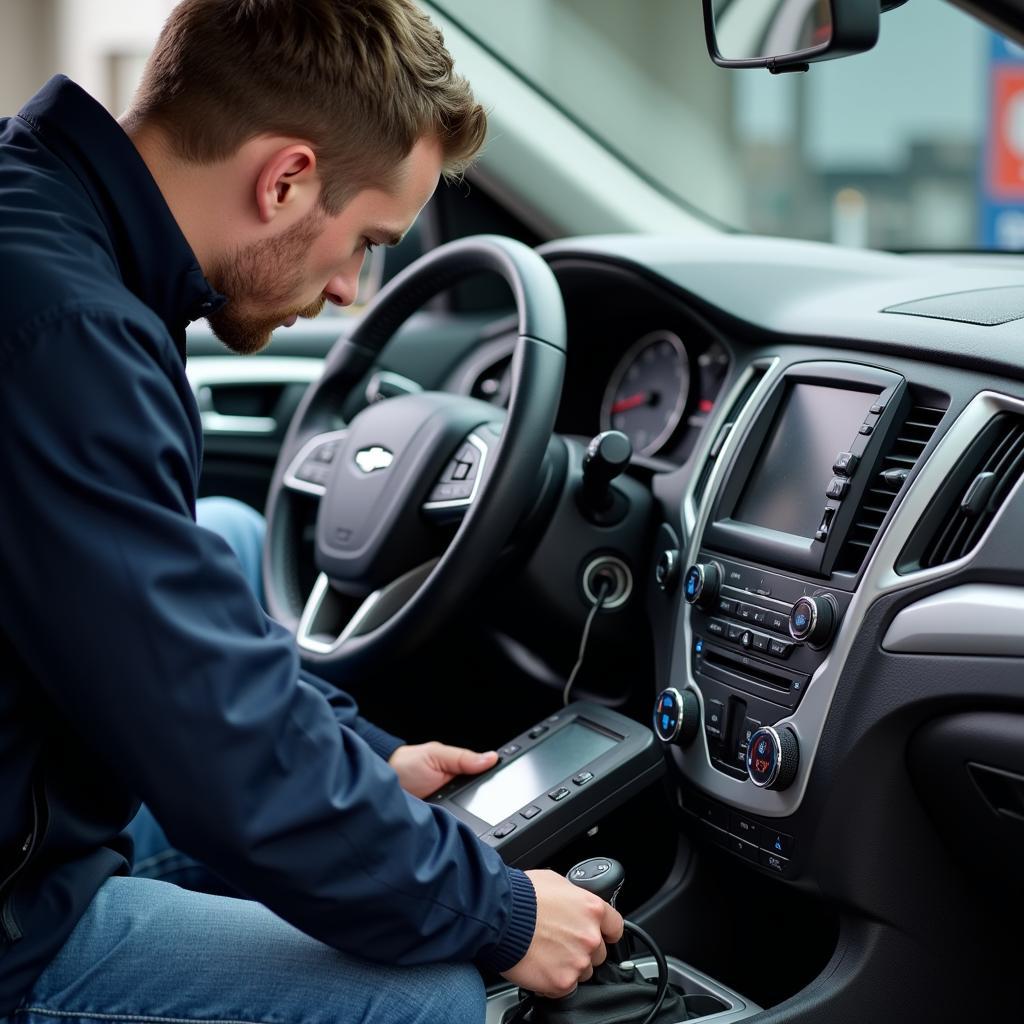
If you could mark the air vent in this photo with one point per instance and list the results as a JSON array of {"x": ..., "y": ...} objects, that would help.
[
  {"x": 981, "y": 486},
  {"x": 737, "y": 407},
  {"x": 895, "y": 466}
]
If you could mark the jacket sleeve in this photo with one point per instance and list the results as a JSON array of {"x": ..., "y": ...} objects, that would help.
[
  {"x": 143, "y": 632},
  {"x": 347, "y": 713}
]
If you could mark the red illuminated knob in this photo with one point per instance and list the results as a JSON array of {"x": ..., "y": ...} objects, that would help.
[{"x": 772, "y": 757}]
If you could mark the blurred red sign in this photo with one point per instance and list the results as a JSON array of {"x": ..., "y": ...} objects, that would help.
[{"x": 1006, "y": 139}]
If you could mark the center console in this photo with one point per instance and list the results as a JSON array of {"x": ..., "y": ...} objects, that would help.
[{"x": 806, "y": 481}]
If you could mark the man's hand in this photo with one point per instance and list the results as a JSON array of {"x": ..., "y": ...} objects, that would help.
[
  {"x": 424, "y": 768},
  {"x": 573, "y": 926}
]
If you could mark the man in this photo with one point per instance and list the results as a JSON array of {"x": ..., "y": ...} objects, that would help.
[{"x": 272, "y": 142}]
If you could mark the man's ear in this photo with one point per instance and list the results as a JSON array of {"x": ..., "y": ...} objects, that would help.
[{"x": 287, "y": 183}]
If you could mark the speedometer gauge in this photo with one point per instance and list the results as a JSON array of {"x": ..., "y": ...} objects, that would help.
[{"x": 647, "y": 393}]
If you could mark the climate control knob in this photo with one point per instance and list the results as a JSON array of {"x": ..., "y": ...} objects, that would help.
[
  {"x": 813, "y": 620},
  {"x": 676, "y": 716},
  {"x": 773, "y": 756},
  {"x": 701, "y": 584}
]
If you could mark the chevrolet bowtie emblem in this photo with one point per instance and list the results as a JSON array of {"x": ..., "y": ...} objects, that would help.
[{"x": 369, "y": 459}]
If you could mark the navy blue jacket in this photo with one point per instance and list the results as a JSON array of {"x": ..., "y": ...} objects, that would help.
[{"x": 134, "y": 660}]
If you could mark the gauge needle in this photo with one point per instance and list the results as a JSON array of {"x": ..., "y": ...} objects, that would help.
[{"x": 632, "y": 402}]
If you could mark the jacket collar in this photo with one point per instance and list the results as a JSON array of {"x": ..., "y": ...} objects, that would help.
[{"x": 155, "y": 260}]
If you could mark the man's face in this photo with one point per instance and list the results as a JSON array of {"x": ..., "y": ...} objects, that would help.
[{"x": 317, "y": 260}]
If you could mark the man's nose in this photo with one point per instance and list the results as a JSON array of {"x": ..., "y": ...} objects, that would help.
[{"x": 343, "y": 288}]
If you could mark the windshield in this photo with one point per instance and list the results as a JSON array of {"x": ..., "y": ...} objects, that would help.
[{"x": 918, "y": 144}]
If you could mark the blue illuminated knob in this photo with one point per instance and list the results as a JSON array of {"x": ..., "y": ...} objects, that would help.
[
  {"x": 676, "y": 716},
  {"x": 701, "y": 583},
  {"x": 773, "y": 756},
  {"x": 813, "y": 620}
]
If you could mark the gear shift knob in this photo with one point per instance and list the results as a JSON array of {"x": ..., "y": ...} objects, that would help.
[
  {"x": 599, "y": 875},
  {"x": 603, "y": 877}
]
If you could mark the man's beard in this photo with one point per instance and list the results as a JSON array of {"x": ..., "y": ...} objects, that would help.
[{"x": 260, "y": 284}]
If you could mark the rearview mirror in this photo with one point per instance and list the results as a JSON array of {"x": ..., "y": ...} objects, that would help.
[{"x": 788, "y": 35}]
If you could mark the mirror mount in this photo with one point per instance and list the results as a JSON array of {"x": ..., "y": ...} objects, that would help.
[{"x": 846, "y": 27}]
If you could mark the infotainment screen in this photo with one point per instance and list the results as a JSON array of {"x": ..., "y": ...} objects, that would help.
[
  {"x": 786, "y": 490},
  {"x": 562, "y": 754}
]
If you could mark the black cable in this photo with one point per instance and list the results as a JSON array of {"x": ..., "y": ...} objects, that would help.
[
  {"x": 659, "y": 959},
  {"x": 602, "y": 593}
]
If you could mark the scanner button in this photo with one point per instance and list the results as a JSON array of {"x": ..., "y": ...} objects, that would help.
[
  {"x": 504, "y": 830},
  {"x": 530, "y": 812},
  {"x": 558, "y": 794},
  {"x": 583, "y": 777}
]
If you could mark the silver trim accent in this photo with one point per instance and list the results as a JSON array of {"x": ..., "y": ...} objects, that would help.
[
  {"x": 880, "y": 578},
  {"x": 619, "y": 373},
  {"x": 620, "y": 570},
  {"x": 481, "y": 446},
  {"x": 375, "y": 610},
  {"x": 292, "y": 481},
  {"x": 975, "y": 619},
  {"x": 702, "y": 577},
  {"x": 206, "y": 372}
]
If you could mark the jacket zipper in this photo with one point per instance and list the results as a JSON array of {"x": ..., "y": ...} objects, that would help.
[{"x": 8, "y": 923}]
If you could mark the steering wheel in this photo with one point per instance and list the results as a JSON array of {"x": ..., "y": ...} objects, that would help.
[{"x": 391, "y": 482}]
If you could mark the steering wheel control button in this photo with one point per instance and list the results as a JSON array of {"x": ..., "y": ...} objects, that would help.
[
  {"x": 701, "y": 584},
  {"x": 582, "y": 779},
  {"x": 772, "y": 757},
  {"x": 558, "y": 794},
  {"x": 813, "y": 620},
  {"x": 504, "y": 830},
  {"x": 530, "y": 812}
]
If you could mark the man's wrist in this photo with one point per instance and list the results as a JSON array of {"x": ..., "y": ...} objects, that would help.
[
  {"x": 519, "y": 928},
  {"x": 382, "y": 743}
]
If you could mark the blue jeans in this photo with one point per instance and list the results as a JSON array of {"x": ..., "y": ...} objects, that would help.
[
  {"x": 153, "y": 953},
  {"x": 149, "y": 952}
]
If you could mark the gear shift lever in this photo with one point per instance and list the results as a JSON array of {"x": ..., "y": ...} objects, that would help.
[{"x": 604, "y": 877}]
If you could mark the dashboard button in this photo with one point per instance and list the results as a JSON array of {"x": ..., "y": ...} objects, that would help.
[
  {"x": 716, "y": 627},
  {"x": 760, "y": 617},
  {"x": 746, "y": 829},
  {"x": 714, "y": 719},
  {"x": 746, "y": 850},
  {"x": 727, "y": 606},
  {"x": 759, "y": 641},
  {"x": 866, "y": 429},
  {"x": 708, "y": 811},
  {"x": 877, "y": 409},
  {"x": 837, "y": 488},
  {"x": 512, "y": 748},
  {"x": 746, "y": 639},
  {"x": 558, "y": 794},
  {"x": 845, "y": 464},
  {"x": 776, "y": 842},
  {"x": 530, "y": 812},
  {"x": 745, "y": 612},
  {"x": 780, "y": 623},
  {"x": 504, "y": 830},
  {"x": 582, "y": 778},
  {"x": 538, "y": 730},
  {"x": 779, "y": 648},
  {"x": 774, "y": 862}
]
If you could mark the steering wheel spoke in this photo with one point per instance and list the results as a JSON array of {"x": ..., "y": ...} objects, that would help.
[
  {"x": 310, "y": 468},
  {"x": 323, "y": 627}
]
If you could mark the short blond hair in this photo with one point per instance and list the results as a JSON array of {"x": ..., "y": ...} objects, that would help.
[{"x": 361, "y": 80}]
